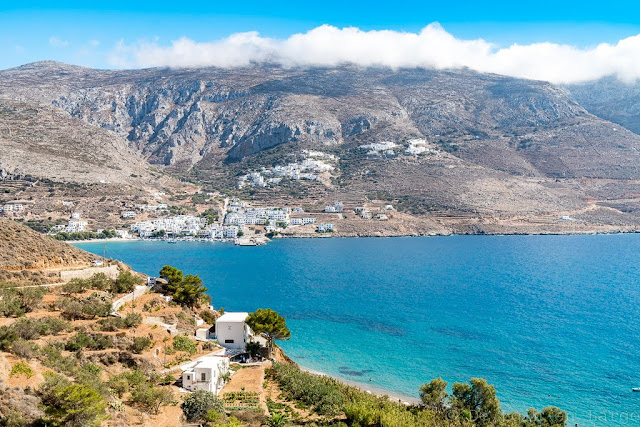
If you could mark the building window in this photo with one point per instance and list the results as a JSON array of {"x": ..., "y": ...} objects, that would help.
[
  {"x": 228, "y": 341},
  {"x": 203, "y": 376},
  {"x": 188, "y": 378}
]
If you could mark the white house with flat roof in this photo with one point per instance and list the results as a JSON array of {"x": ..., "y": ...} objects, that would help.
[
  {"x": 206, "y": 374},
  {"x": 232, "y": 332}
]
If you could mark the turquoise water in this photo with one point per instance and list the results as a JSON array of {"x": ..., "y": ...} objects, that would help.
[{"x": 549, "y": 320}]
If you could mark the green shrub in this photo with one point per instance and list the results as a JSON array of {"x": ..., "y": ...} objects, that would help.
[
  {"x": 100, "y": 282},
  {"x": 278, "y": 420},
  {"x": 82, "y": 340},
  {"x": 325, "y": 395},
  {"x": 75, "y": 286},
  {"x": 95, "y": 305},
  {"x": 151, "y": 398},
  {"x": 208, "y": 316},
  {"x": 32, "y": 329},
  {"x": 125, "y": 283},
  {"x": 20, "y": 368},
  {"x": 24, "y": 349},
  {"x": 70, "y": 404},
  {"x": 139, "y": 344},
  {"x": 13, "y": 419},
  {"x": 112, "y": 324},
  {"x": 16, "y": 302},
  {"x": 197, "y": 405},
  {"x": 182, "y": 343}
]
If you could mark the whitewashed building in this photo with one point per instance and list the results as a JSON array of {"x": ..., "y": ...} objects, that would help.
[
  {"x": 207, "y": 374},
  {"x": 232, "y": 332},
  {"x": 231, "y": 232},
  {"x": 76, "y": 226}
]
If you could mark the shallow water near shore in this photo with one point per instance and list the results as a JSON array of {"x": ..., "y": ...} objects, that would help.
[{"x": 549, "y": 320}]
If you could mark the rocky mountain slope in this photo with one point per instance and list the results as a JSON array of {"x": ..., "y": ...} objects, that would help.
[
  {"x": 611, "y": 99},
  {"x": 490, "y": 145},
  {"x": 43, "y": 141}
]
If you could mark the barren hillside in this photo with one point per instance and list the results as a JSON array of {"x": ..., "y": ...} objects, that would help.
[
  {"x": 22, "y": 249},
  {"x": 457, "y": 142}
]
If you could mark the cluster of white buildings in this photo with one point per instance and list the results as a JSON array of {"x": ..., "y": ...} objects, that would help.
[
  {"x": 324, "y": 228},
  {"x": 274, "y": 219},
  {"x": 215, "y": 231},
  {"x": 366, "y": 214},
  {"x": 186, "y": 226},
  {"x": 419, "y": 146},
  {"x": 180, "y": 225},
  {"x": 336, "y": 207},
  {"x": 311, "y": 169},
  {"x": 380, "y": 148},
  {"x": 258, "y": 216},
  {"x": 12, "y": 208},
  {"x": 75, "y": 225},
  {"x": 152, "y": 208},
  {"x": 303, "y": 221}
]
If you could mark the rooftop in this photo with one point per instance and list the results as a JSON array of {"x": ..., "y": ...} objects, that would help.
[
  {"x": 233, "y": 317},
  {"x": 209, "y": 362}
]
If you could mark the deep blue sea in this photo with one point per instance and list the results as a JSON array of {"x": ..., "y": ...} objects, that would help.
[{"x": 549, "y": 320}]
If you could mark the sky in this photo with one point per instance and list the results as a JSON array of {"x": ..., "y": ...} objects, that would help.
[{"x": 558, "y": 41}]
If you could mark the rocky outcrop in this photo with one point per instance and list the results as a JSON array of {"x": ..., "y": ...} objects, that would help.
[{"x": 180, "y": 116}]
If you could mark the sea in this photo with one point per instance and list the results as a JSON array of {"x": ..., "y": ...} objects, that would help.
[{"x": 548, "y": 320}]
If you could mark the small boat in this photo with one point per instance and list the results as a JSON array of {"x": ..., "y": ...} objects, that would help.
[
  {"x": 636, "y": 389},
  {"x": 173, "y": 241}
]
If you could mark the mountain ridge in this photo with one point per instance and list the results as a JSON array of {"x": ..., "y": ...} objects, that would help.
[{"x": 492, "y": 144}]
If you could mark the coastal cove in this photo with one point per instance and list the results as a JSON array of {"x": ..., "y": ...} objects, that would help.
[{"x": 548, "y": 320}]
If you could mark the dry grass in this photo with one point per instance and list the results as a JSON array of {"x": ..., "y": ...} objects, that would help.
[{"x": 24, "y": 249}]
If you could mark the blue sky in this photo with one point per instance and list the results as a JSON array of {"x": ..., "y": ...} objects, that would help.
[{"x": 86, "y": 33}]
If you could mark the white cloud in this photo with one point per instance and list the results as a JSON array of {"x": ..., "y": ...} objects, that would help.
[
  {"x": 57, "y": 43},
  {"x": 432, "y": 47}
]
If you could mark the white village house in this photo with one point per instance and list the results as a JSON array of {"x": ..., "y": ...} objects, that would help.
[
  {"x": 232, "y": 332},
  {"x": 206, "y": 374}
]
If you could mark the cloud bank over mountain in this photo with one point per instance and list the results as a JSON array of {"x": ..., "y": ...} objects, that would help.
[{"x": 432, "y": 47}]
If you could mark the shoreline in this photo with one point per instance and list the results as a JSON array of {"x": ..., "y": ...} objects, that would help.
[
  {"x": 363, "y": 387},
  {"x": 348, "y": 236}
]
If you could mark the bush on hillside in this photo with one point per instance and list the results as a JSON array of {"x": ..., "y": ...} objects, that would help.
[
  {"x": 125, "y": 283},
  {"x": 16, "y": 302},
  {"x": 88, "y": 308},
  {"x": 140, "y": 344},
  {"x": 182, "y": 343},
  {"x": 69, "y": 404},
  {"x": 82, "y": 341},
  {"x": 150, "y": 398},
  {"x": 196, "y": 406},
  {"x": 112, "y": 324},
  {"x": 208, "y": 316}
]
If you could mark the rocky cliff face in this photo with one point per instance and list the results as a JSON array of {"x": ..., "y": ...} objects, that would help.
[
  {"x": 488, "y": 137},
  {"x": 173, "y": 116}
]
